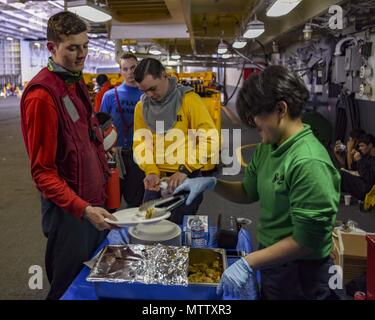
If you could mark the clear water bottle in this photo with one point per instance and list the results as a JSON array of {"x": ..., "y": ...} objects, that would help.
[{"x": 197, "y": 233}]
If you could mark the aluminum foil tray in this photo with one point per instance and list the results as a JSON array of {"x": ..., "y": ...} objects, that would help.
[
  {"x": 135, "y": 272},
  {"x": 146, "y": 264}
]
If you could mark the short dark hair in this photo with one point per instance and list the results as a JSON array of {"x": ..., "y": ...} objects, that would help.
[
  {"x": 64, "y": 24},
  {"x": 148, "y": 66},
  {"x": 260, "y": 93},
  {"x": 367, "y": 139},
  {"x": 357, "y": 133},
  {"x": 128, "y": 55},
  {"x": 101, "y": 79}
]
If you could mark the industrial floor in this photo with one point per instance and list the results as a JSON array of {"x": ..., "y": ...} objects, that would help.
[{"x": 22, "y": 243}]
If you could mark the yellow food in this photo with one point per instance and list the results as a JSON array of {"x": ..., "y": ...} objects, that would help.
[
  {"x": 204, "y": 272},
  {"x": 149, "y": 213}
]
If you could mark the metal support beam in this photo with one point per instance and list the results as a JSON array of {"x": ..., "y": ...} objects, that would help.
[{"x": 186, "y": 4}]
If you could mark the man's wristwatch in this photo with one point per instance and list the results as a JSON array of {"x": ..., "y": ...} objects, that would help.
[{"x": 183, "y": 169}]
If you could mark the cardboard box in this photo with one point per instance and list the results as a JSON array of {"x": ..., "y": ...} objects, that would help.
[
  {"x": 350, "y": 252},
  {"x": 187, "y": 230}
]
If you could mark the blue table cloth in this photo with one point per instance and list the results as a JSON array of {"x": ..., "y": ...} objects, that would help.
[{"x": 80, "y": 289}]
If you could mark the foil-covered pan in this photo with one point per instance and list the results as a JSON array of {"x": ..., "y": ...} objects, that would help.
[{"x": 147, "y": 264}]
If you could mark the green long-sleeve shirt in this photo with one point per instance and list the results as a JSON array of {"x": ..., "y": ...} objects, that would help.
[{"x": 299, "y": 190}]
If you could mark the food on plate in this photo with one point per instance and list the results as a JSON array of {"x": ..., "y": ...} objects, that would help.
[
  {"x": 149, "y": 213},
  {"x": 204, "y": 272}
]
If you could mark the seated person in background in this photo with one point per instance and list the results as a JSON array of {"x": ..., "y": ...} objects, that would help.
[
  {"x": 364, "y": 163},
  {"x": 344, "y": 155},
  {"x": 104, "y": 85}
]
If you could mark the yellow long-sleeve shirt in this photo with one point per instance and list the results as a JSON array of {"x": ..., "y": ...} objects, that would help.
[{"x": 157, "y": 153}]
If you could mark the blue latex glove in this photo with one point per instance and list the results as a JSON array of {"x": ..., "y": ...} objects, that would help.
[
  {"x": 196, "y": 186},
  {"x": 239, "y": 281},
  {"x": 118, "y": 236}
]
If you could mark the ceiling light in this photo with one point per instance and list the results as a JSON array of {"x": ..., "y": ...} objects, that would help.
[
  {"x": 172, "y": 63},
  {"x": 88, "y": 10},
  {"x": 222, "y": 47},
  {"x": 307, "y": 32},
  {"x": 92, "y": 35},
  {"x": 154, "y": 50},
  {"x": 254, "y": 29},
  {"x": 175, "y": 55},
  {"x": 9, "y": 38},
  {"x": 239, "y": 43},
  {"x": 279, "y": 8},
  {"x": 111, "y": 43},
  {"x": 17, "y": 5},
  {"x": 226, "y": 56},
  {"x": 23, "y": 29}
]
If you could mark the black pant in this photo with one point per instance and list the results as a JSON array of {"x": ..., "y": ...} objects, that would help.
[
  {"x": 354, "y": 185},
  {"x": 299, "y": 280},
  {"x": 70, "y": 242},
  {"x": 132, "y": 187},
  {"x": 177, "y": 215}
]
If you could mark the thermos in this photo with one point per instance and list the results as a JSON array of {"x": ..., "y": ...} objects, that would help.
[{"x": 113, "y": 187}]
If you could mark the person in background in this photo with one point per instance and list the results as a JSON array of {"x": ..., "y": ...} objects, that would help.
[
  {"x": 362, "y": 178},
  {"x": 120, "y": 103},
  {"x": 67, "y": 158},
  {"x": 298, "y": 187},
  {"x": 344, "y": 154},
  {"x": 104, "y": 85},
  {"x": 176, "y": 108}
]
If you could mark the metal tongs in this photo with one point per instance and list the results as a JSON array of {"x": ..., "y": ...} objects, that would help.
[{"x": 163, "y": 205}]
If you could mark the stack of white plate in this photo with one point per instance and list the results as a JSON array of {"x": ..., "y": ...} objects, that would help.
[{"x": 164, "y": 232}]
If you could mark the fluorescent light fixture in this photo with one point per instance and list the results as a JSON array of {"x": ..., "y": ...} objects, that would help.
[
  {"x": 154, "y": 50},
  {"x": 222, "y": 47},
  {"x": 23, "y": 29},
  {"x": 92, "y": 35},
  {"x": 226, "y": 56},
  {"x": 88, "y": 10},
  {"x": 175, "y": 55},
  {"x": 254, "y": 29},
  {"x": 9, "y": 38},
  {"x": 279, "y": 8},
  {"x": 239, "y": 43}
]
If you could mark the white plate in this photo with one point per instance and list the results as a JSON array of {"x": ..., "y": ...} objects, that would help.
[
  {"x": 132, "y": 216},
  {"x": 160, "y": 231}
]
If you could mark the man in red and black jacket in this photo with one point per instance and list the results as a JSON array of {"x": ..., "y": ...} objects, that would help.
[{"x": 67, "y": 158}]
